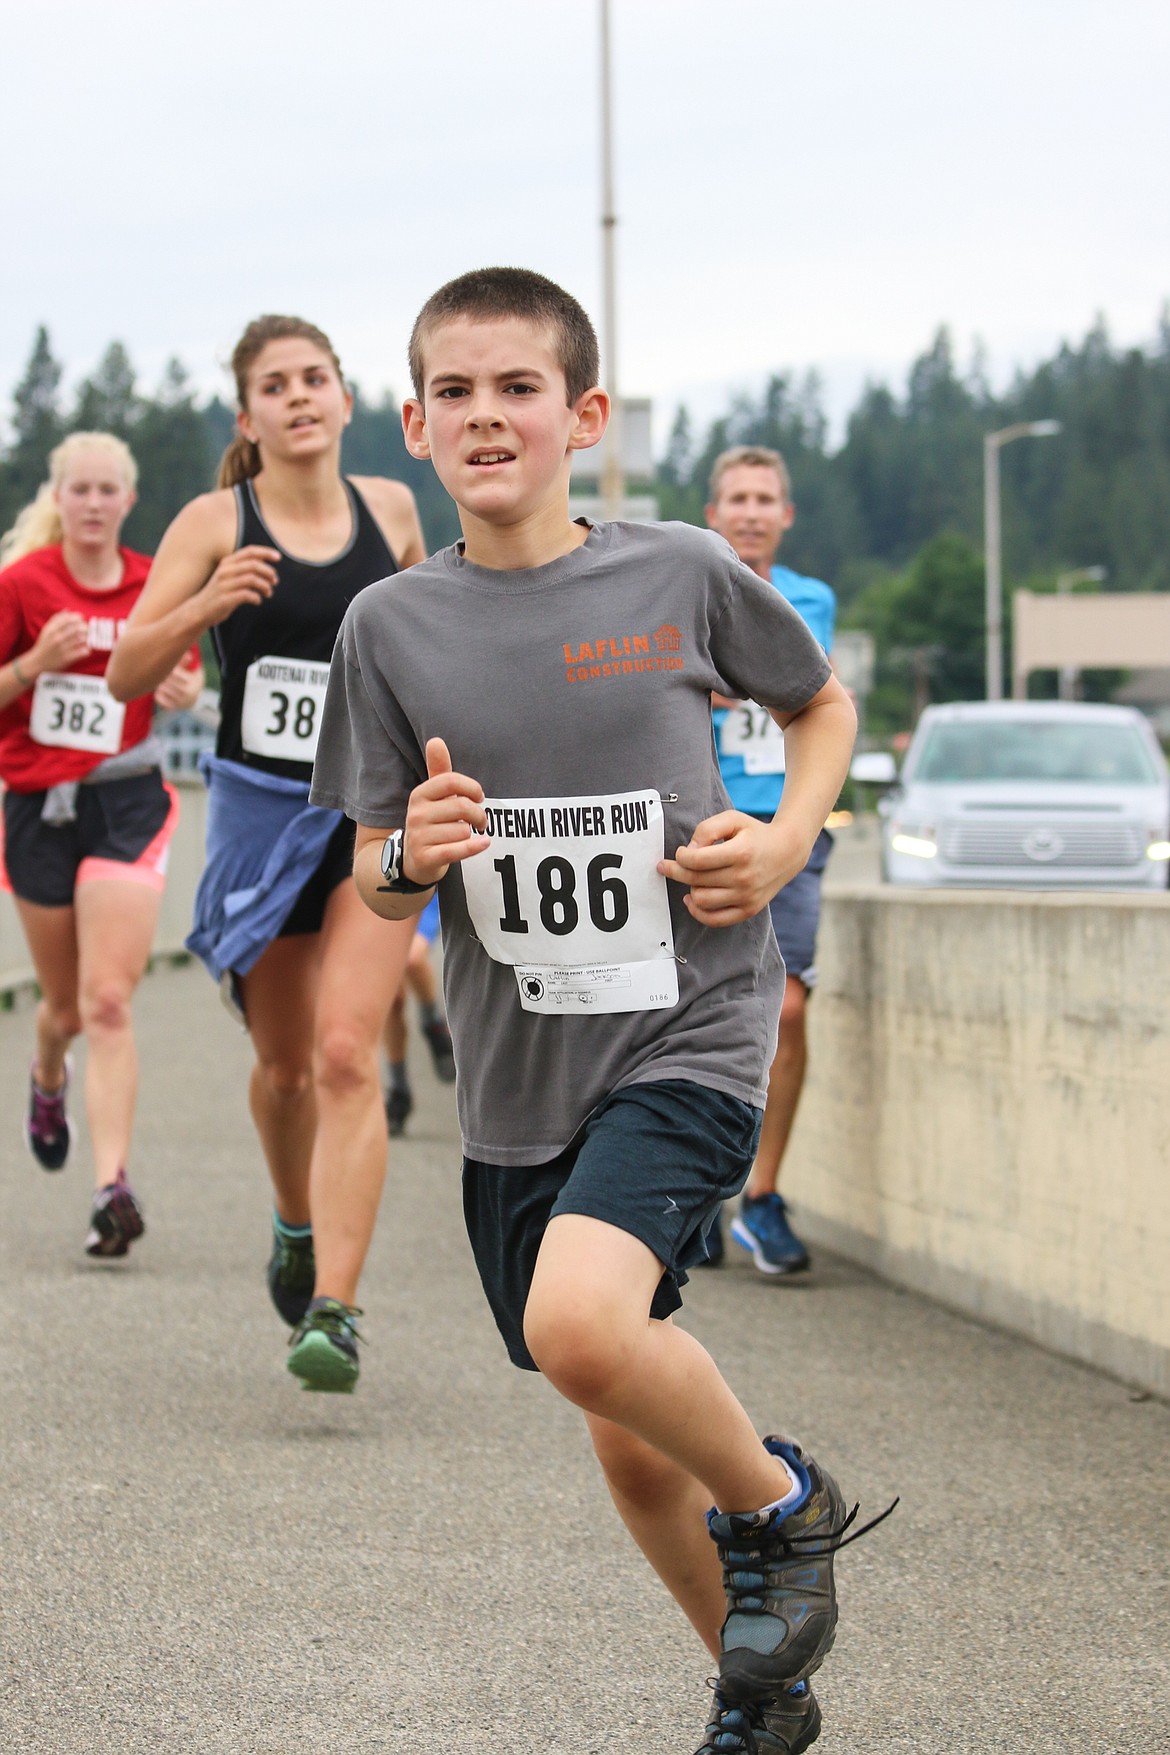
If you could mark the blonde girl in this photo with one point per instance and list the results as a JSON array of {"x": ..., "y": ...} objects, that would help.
[{"x": 87, "y": 818}]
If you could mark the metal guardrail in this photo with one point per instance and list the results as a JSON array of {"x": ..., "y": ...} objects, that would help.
[{"x": 186, "y": 736}]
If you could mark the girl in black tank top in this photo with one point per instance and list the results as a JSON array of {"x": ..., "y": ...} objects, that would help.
[
  {"x": 269, "y": 565},
  {"x": 274, "y": 655}
]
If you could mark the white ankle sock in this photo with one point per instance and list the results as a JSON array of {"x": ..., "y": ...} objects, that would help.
[{"x": 795, "y": 1492}]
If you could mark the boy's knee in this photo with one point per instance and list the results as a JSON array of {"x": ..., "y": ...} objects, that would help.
[{"x": 578, "y": 1350}]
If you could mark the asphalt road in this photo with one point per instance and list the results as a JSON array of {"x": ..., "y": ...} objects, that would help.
[{"x": 198, "y": 1557}]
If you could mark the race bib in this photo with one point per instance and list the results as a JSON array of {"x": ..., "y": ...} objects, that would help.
[
  {"x": 76, "y": 713},
  {"x": 283, "y": 698},
  {"x": 569, "y": 895},
  {"x": 751, "y": 733}
]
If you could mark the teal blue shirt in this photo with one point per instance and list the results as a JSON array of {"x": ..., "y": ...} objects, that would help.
[{"x": 816, "y": 603}]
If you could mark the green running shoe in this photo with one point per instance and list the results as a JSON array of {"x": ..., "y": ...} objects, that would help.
[{"x": 323, "y": 1347}]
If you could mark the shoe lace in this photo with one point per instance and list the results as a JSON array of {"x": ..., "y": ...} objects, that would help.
[
  {"x": 48, "y": 1112},
  {"x": 730, "y": 1731},
  {"x": 336, "y": 1321},
  {"x": 745, "y": 1583}
]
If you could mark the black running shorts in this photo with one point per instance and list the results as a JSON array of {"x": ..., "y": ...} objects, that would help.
[
  {"x": 308, "y": 911},
  {"x": 656, "y": 1160},
  {"x": 122, "y": 828}
]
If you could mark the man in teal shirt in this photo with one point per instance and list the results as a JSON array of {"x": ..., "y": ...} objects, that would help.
[{"x": 751, "y": 505}]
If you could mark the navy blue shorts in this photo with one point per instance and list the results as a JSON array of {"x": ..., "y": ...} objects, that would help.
[
  {"x": 796, "y": 913},
  {"x": 656, "y": 1160}
]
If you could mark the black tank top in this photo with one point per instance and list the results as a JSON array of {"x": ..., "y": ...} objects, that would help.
[{"x": 274, "y": 656}]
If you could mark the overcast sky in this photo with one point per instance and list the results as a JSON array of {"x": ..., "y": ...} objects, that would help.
[{"x": 800, "y": 182}]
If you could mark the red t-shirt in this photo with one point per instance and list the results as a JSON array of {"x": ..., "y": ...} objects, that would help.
[{"x": 81, "y": 724}]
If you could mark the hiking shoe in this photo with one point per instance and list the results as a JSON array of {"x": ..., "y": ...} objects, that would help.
[
  {"x": 292, "y": 1272},
  {"x": 46, "y": 1124},
  {"x": 115, "y": 1219},
  {"x": 442, "y": 1053},
  {"x": 783, "y": 1725},
  {"x": 399, "y": 1103},
  {"x": 778, "y": 1574},
  {"x": 714, "y": 1255},
  {"x": 323, "y": 1346},
  {"x": 761, "y": 1227}
]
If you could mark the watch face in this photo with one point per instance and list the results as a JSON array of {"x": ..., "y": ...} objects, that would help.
[{"x": 391, "y": 855}]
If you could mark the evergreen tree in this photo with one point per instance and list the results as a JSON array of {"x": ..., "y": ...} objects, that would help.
[
  {"x": 374, "y": 445},
  {"x": 172, "y": 443},
  {"x": 36, "y": 425},
  {"x": 108, "y": 402},
  {"x": 927, "y": 624}
]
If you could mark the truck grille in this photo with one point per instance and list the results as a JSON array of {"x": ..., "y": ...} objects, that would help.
[{"x": 1042, "y": 844}]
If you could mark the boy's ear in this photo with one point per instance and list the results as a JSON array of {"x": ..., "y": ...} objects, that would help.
[
  {"x": 414, "y": 429},
  {"x": 592, "y": 412}
]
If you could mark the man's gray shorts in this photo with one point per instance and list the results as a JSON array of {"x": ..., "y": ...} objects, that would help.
[{"x": 796, "y": 914}]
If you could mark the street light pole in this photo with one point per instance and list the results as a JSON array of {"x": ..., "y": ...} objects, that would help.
[
  {"x": 613, "y": 487},
  {"x": 993, "y": 443},
  {"x": 1067, "y": 685}
]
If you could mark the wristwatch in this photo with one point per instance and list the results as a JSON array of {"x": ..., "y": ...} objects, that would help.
[{"x": 392, "y": 868}]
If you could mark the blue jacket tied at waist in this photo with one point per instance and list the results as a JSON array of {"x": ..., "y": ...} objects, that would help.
[{"x": 264, "y": 841}]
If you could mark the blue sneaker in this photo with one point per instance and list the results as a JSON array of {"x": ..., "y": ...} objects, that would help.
[
  {"x": 761, "y": 1227},
  {"x": 783, "y": 1725}
]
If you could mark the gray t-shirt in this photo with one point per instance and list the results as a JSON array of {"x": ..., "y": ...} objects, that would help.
[{"x": 579, "y": 695}]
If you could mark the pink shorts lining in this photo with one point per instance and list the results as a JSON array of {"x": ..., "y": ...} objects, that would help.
[{"x": 149, "y": 869}]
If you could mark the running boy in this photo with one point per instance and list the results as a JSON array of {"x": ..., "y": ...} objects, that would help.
[{"x": 525, "y": 721}]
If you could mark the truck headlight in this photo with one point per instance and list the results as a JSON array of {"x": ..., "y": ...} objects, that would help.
[{"x": 920, "y": 845}]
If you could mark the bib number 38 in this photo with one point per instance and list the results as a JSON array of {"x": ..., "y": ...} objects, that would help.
[
  {"x": 281, "y": 718},
  {"x": 569, "y": 895}
]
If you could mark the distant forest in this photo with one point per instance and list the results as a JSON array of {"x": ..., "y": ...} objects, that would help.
[{"x": 892, "y": 518}]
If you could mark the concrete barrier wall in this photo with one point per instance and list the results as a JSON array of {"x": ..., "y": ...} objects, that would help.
[{"x": 987, "y": 1113}]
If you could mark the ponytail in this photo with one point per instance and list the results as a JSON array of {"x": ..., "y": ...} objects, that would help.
[
  {"x": 240, "y": 462},
  {"x": 39, "y": 524}
]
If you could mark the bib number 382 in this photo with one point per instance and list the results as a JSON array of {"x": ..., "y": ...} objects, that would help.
[
  {"x": 569, "y": 895},
  {"x": 76, "y": 713},
  {"x": 281, "y": 717}
]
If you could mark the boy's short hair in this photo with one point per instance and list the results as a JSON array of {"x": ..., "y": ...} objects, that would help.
[
  {"x": 513, "y": 292},
  {"x": 758, "y": 457}
]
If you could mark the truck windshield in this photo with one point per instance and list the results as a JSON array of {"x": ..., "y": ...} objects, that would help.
[{"x": 1030, "y": 750}]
